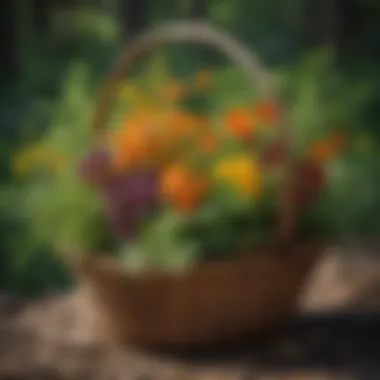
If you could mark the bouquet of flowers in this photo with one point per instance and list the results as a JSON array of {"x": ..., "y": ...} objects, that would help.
[
  {"x": 181, "y": 186},
  {"x": 171, "y": 185}
]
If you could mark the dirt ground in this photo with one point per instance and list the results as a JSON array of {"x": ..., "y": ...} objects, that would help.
[{"x": 336, "y": 335}]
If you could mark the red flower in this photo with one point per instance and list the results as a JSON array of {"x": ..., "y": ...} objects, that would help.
[
  {"x": 309, "y": 183},
  {"x": 326, "y": 149}
]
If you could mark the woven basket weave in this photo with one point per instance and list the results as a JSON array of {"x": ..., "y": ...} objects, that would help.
[{"x": 217, "y": 301}]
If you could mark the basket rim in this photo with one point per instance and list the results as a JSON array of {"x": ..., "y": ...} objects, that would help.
[{"x": 113, "y": 265}]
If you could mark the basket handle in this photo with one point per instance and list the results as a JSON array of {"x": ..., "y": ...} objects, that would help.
[{"x": 201, "y": 33}]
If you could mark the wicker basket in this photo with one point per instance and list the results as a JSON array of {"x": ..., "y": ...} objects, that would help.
[{"x": 217, "y": 301}]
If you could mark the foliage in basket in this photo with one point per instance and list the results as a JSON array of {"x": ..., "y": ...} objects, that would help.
[
  {"x": 173, "y": 183},
  {"x": 61, "y": 212}
]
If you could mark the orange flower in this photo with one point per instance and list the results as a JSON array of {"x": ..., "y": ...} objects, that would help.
[
  {"x": 267, "y": 112},
  {"x": 181, "y": 188},
  {"x": 142, "y": 117},
  {"x": 129, "y": 148},
  {"x": 174, "y": 92},
  {"x": 203, "y": 80},
  {"x": 180, "y": 125},
  {"x": 209, "y": 142},
  {"x": 121, "y": 161},
  {"x": 137, "y": 144},
  {"x": 326, "y": 149},
  {"x": 240, "y": 122}
]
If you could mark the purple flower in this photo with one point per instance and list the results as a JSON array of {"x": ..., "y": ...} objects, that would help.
[
  {"x": 129, "y": 199},
  {"x": 96, "y": 168}
]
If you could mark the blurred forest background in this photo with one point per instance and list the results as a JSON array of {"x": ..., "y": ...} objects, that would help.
[{"x": 43, "y": 39}]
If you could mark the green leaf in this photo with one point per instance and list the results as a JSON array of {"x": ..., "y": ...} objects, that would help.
[{"x": 161, "y": 246}]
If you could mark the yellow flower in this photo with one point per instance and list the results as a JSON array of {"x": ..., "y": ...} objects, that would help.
[
  {"x": 242, "y": 173},
  {"x": 130, "y": 93},
  {"x": 38, "y": 156},
  {"x": 23, "y": 161}
]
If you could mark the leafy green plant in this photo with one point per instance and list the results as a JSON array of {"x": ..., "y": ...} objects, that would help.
[
  {"x": 162, "y": 246},
  {"x": 62, "y": 212},
  {"x": 66, "y": 213}
]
